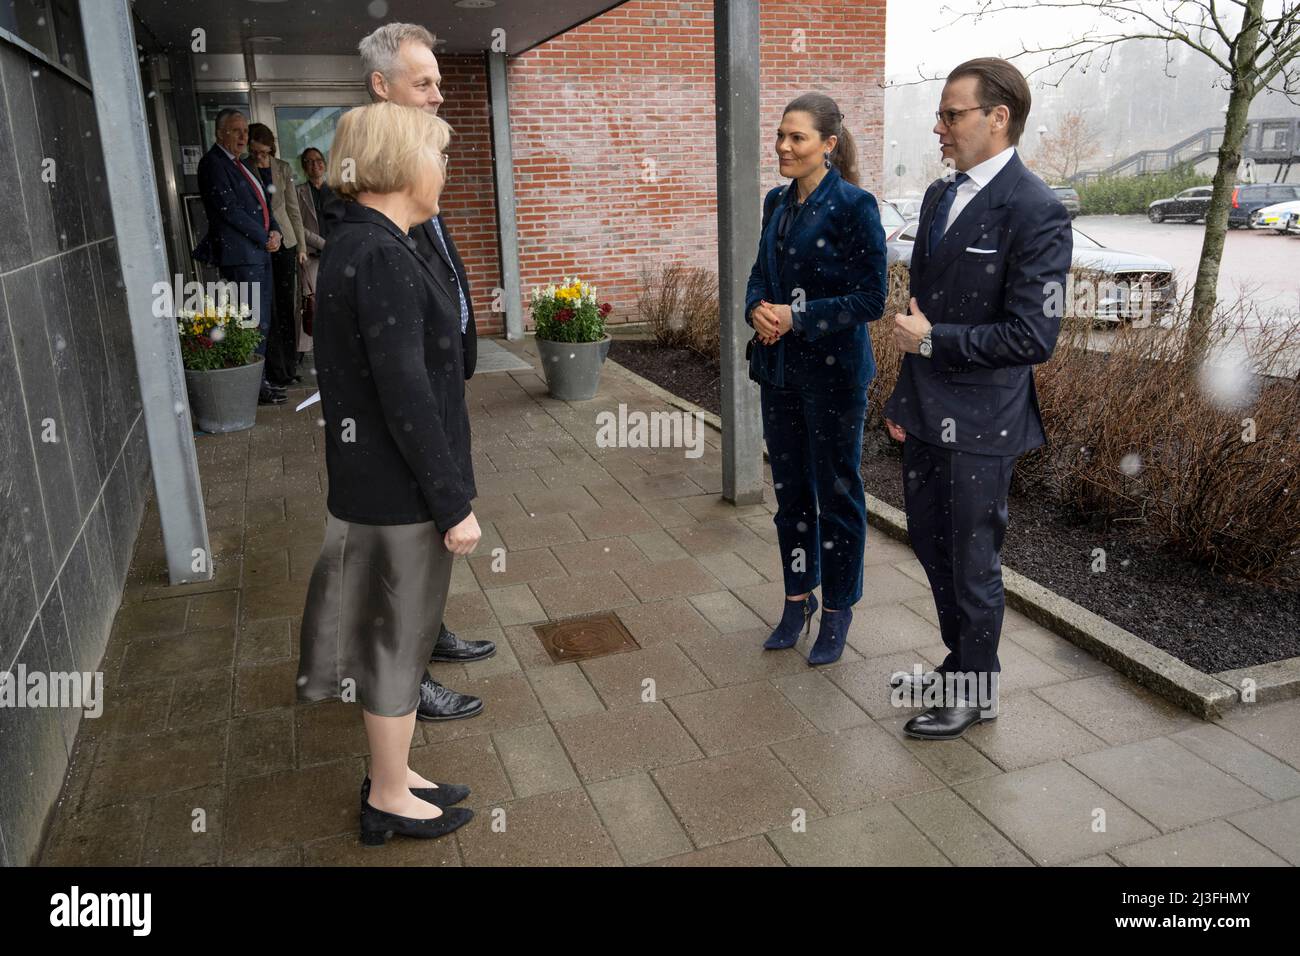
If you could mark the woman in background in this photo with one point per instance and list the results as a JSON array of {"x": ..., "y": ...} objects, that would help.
[
  {"x": 313, "y": 195},
  {"x": 277, "y": 180}
]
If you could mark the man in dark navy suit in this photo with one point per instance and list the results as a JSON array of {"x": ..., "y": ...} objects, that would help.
[
  {"x": 991, "y": 258},
  {"x": 242, "y": 233},
  {"x": 400, "y": 67}
]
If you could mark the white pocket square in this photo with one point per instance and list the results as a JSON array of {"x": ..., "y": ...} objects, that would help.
[{"x": 985, "y": 251}]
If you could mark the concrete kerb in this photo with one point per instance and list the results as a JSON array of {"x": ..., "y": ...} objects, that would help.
[{"x": 1205, "y": 695}]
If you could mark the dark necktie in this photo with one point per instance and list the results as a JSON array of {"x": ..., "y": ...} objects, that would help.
[{"x": 941, "y": 210}]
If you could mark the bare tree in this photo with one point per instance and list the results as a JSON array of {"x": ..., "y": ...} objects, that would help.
[
  {"x": 1254, "y": 50},
  {"x": 1063, "y": 150}
]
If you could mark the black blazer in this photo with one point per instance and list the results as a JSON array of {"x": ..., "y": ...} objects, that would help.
[
  {"x": 987, "y": 290},
  {"x": 427, "y": 241},
  {"x": 235, "y": 233},
  {"x": 392, "y": 383}
]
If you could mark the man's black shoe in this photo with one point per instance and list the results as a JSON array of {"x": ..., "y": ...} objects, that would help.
[
  {"x": 947, "y": 723},
  {"x": 269, "y": 396},
  {"x": 439, "y": 703},
  {"x": 450, "y": 649}
]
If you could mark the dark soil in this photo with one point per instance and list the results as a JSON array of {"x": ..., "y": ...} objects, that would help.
[{"x": 1211, "y": 622}]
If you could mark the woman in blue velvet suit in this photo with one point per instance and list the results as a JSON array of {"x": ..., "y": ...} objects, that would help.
[{"x": 819, "y": 278}]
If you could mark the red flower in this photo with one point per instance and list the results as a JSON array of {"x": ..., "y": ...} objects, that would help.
[
  {"x": 205, "y": 341},
  {"x": 605, "y": 308},
  {"x": 564, "y": 315}
]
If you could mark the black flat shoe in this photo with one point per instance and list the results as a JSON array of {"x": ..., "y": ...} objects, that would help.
[
  {"x": 439, "y": 703},
  {"x": 378, "y": 825},
  {"x": 946, "y": 723},
  {"x": 450, "y": 649},
  {"x": 268, "y": 397},
  {"x": 443, "y": 795}
]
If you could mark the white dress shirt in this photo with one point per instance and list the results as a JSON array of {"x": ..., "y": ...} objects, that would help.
[{"x": 980, "y": 176}]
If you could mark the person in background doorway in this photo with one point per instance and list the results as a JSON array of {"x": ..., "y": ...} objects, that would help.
[
  {"x": 312, "y": 198},
  {"x": 242, "y": 232},
  {"x": 277, "y": 178}
]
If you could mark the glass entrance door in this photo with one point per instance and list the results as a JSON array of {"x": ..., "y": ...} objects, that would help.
[{"x": 303, "y": 118}]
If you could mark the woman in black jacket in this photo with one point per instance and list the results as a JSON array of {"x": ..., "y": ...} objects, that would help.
[{"x": 388, "y": 358}]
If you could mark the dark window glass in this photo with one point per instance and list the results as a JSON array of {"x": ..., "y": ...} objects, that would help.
[
  {"x": 67, "y": 33},
  {"x": 30, "y": 21}
]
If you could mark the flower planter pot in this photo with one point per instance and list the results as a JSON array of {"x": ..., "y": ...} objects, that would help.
[
  {"x": 572, "y": 369},
  {"x": 225, "y": 399}
]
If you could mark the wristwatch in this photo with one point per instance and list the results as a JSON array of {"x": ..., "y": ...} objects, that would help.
[{"x": 926, "y": 348}]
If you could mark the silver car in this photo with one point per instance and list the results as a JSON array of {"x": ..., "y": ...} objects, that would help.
[{"x": 1131, "y": 272}]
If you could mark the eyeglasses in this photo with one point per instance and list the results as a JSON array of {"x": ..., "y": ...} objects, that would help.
[
  {"x": 948, "y": 117},
  {"x": 445, "y": 159}
]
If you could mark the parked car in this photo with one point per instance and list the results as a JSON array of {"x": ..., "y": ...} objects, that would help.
[
  {"x": 1189, "y": 205},
  {"x": 1131, "y": 270},
  {"x": 909, "y": 208},
  {"x": 891, "y": 219},
  {"x": 1293, "y": 224},
  {"x": 1249, "y": 197},
  {"x": 1277, "y": 216},
  {"x": 1069, "y": 197}
]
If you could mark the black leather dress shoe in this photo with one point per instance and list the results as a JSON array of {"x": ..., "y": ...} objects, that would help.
[
  {"x": 378, "y": 825},
  {"x": 946, "y": 723},
  {"x": 439, "y": 703},
  {"x": 450, "y": 649},
  {"x": 443, "y": 795},
  {"x": 270, "y": 397}
]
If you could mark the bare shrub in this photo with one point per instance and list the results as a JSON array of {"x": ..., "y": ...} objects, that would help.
[
  {"x": 680, "y": 305},
  {"x": 1206, "y": 459}
]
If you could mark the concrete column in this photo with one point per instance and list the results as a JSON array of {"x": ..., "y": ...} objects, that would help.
[
  {"x": 736, "y": 72},
  {"x": 503, "y": 174},
  {"x": 137, "y": 221}
]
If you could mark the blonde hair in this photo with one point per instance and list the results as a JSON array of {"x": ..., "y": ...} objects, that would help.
[{"x": 382, "y": 148}]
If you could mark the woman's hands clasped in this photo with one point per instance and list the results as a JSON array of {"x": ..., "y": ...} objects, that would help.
[
  {"x": 463, "y": 538},
  {"x": 771, "y": 321}
]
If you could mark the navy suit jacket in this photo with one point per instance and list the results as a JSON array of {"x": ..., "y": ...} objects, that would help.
[
  {"x": 235, "y": 235},
  {"x": 427, "y": 242},
  {"x": 986, "y": 288},
  {"x": 835, "y": 254}
]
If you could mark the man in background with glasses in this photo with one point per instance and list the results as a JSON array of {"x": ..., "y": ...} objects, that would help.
[{"x": 990, "y": 262}]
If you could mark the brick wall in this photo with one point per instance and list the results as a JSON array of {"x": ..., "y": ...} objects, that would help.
[{"x": 612, "y": 130}]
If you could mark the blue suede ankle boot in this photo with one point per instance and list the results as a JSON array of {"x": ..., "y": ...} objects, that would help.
[
  {"x": 831, "y": 636},
  {"x": 796, "y": 617}
]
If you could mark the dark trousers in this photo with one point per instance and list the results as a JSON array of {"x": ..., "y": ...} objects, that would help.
[
  {"x": 257, "y": 279},
  {"x": 814, "y": 441},
  {"x": 956, "y": 516},
  {"x": 282, "y": 347}
]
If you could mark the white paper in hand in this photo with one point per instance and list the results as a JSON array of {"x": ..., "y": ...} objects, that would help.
[{"x": 311, "y": 401}]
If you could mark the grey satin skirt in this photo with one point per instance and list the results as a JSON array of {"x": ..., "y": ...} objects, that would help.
[{"x": 374, "y": 607}]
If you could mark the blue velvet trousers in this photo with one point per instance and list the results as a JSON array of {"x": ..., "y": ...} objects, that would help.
[{"x": 814, "y": 442}]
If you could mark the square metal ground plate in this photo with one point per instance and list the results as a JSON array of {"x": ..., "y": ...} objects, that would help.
[{"x": 582, "y": 638}]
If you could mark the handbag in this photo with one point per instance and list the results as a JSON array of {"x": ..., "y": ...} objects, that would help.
[{"x": 308, "y": 312}]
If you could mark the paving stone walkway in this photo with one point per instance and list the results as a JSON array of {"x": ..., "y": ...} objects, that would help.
[{"x": 568, "y": 765}]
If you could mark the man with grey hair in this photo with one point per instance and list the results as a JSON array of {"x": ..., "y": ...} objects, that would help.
[
  {"x": 400, "y": 67},
  {"x": 242, "y": 233}
]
